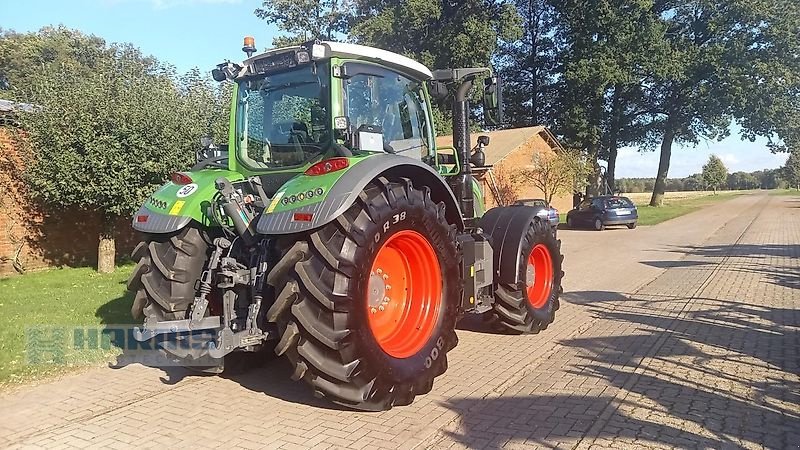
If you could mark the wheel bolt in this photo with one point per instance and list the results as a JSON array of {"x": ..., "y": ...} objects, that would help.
[
  {"x": 388, "y": 286},
  {"x": 378, "y": 271},
  {"x": 373, "y": 310},
  {"x": 386, "y": 300},
  {"x": 381, "y": 308},
  {"x": 385, "y": 277}
]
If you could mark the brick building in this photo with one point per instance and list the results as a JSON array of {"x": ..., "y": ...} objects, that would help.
[{"x": 513, "y": 150}]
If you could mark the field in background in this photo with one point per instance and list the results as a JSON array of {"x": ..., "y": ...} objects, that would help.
[
  {"x": 643, "y": 198},
  {"x": 677, "y": 204}
]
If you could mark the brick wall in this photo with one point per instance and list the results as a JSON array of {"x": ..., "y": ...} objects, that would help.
[
  {"x": 44, "y": 238},
  {"x": 520, "y": 158}
]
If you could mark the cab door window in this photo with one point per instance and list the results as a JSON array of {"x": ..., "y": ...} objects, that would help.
[{"x": 376, "y": 96}]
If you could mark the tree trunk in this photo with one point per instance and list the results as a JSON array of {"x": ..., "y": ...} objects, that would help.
[
  {"x": 663, "y": 166},
  {"x": 613, "y": 140},
  {"x": 106, "y": 251}
]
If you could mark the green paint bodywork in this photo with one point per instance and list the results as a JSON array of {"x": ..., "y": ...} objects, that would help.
[
  {"x": 477, "y": 194},
  {"x": 166, "y": 201}
]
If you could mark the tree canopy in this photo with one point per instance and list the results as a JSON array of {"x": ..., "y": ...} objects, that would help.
[
  {"x": 109, "y": 123},
  {"x": 791, "y": 170},
  {"x": 603, "y": 74},
  {"x": 715, "y": 174}
]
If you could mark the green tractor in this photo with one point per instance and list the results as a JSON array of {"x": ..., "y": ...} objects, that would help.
[{"x": 334, "y": 231}]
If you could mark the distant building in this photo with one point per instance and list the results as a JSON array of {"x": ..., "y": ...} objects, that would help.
[{"x": 513, "y": 150}]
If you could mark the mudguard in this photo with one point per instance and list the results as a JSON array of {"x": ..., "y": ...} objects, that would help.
[
  {"x": 278, "y": 219},
  {"x": 173, "y": 206},
  {"x": 506, "y": 227}
]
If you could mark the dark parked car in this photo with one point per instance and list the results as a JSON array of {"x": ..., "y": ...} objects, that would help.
[
  {"x": 599, "y": 212},
  {"x": 547, "y": 212}
]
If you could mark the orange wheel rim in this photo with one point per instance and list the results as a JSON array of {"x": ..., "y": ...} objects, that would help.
[
  {"x": 404, "y": 294},
  {"x": 539, "y": 276}
]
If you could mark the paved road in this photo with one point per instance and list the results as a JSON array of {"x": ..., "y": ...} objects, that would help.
[{"x": 684, "y": 334}]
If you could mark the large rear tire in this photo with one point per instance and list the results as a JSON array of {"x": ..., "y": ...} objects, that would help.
[
  {"x": 366, "y": 306},
  {"x": 530, "y": 305}
]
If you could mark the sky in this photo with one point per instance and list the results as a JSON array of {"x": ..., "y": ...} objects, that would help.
[{"x": 203, "y": 33}]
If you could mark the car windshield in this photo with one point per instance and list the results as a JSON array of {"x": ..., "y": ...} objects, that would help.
[
  {"x": 618, "y": 202},
  {"x": 534, "y": 202},
  {"x": 282, "y": 119}
]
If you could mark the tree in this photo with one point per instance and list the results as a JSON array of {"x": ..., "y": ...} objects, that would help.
[
  {"x": 439, "y": 34},
  {"x": 742, "y": 181},
  {"x": 109, "y": 126},
  {"x": 791, "y": 170},
  {"x": 528, "y": 65},
  {"x": 607, "y": 49},
  {"x": 557, "y": 173},
  {"x": 734, "y": 59},
  {"x": 503, "y": 186},
  {"x": 715, "y": 174},
  {"x": 306, "y": 19}
]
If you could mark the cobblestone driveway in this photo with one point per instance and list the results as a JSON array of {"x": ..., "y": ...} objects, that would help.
[{"x": 680, "y": 335}]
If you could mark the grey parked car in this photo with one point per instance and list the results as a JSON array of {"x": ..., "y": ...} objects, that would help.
[
  {"x": 600, "y": 212},
  {"x": 546, "y": 212}
]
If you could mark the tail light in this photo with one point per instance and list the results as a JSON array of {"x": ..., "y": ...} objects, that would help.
[
  {"x": 327, "y": 166},
  {"x": 180, "y": 178}
]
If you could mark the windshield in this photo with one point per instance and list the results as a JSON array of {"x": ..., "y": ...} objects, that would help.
[
  {"x": 283, "y": 119},
  {"x": 618, "y": 202}
]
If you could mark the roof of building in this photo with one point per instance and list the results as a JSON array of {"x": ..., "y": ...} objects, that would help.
[{"x": 503, "y": 142}]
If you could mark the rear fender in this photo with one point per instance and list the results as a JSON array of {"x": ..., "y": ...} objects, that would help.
[
  {"x": 346, "y": 189},
  {"x": 506, "y": 226},
  {"x": 173, "y": 206}
]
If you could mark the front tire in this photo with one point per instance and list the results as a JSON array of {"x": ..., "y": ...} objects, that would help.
[
  {"x": 530, "y": 305},
  {"x": 366, "y": 306}
]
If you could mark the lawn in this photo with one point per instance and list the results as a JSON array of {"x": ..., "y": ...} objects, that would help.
[
  {"x": 790, "y": 192},
  {"x": 677, "y": 206},
  {"x": 62, "y": 298}
]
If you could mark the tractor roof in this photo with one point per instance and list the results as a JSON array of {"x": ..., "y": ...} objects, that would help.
[{"x": 345, "y": 50}]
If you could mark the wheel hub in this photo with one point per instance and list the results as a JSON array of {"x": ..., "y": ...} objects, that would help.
[
  {"x": 377, "y": 291},
  {"x": 539, "y": 276},
  {"x": 530, "y": 274},
  {"x": 404, "y": 294}
]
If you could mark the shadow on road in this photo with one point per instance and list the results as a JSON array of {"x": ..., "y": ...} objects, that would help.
[
  {"x": 716, "y": 375},
  {"x": 541, "y": 420},
  {"x": 768, "y": 260},
  {"x": 673, "y": 264}
]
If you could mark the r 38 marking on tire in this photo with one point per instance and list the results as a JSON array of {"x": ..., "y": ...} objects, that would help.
[{"x": 397, "y": 218}]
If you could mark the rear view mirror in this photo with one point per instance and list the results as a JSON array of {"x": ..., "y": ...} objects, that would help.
[{"x": 492, "y": 101}]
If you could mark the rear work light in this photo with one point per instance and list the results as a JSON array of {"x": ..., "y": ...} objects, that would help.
[
  {"x": 180, "y": 178},
  {"x": 142, "y": 218},
  {"x": 302, "y": 217},
  {"x": 327, "y": 166}
]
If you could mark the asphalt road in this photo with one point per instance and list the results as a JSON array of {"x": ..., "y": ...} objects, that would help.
[{"x": 683, "y": 334}]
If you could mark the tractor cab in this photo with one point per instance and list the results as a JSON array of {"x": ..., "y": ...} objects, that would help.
[{"x": 299, "y": 105}]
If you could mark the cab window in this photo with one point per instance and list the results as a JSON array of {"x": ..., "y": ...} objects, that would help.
[{"x": 376, "y": 96}]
